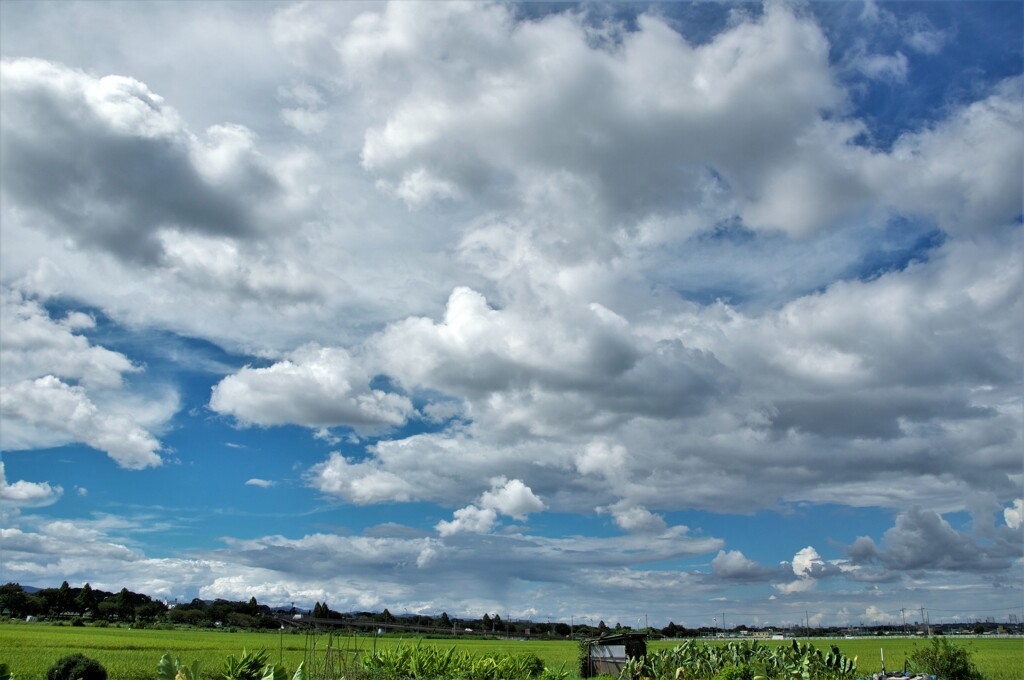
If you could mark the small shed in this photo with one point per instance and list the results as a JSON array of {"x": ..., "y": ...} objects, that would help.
[{"x": 608, "y": 654}]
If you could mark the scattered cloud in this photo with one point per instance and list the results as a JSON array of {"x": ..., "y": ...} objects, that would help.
[
  {"x": 262, "y": 483},
  {"x": 500, "y": 268},
  {"x": 27, "y": 494}
]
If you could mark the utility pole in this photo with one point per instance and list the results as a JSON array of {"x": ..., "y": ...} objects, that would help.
[
  {"x": 924, "y": 622},
  {"x": 903, "y": 611}
]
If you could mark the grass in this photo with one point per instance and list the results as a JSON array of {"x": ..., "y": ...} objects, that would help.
[{"x": 29, "y": 649}]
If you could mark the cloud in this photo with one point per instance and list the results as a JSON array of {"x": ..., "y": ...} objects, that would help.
[
  {"x": 27, "y": 494},
  {"x": 1014, "y": 515},
  {"x": 631, "y": 159},
  {"x": 317, "y": 387},
  {"x": 921, "y": 539},
  {"x": 538, "y": 368},
  {"x": 600, "y": 135},
  {"x": 635, "y": 518},
  {"x": 807, "y": 563},
  {"x": 58, "y": 388},
  {"x": 31, "y": 408},
  {"x": 733, "y": 565},
  {"x": 470, "y": 518},
  {"x": 512, "y": 498},
  {"x": 117, "y": 166},
  {"x": 884, "y": 67},
  {"x": 262, "y": 483},
  {"x": 35, "y": 344},
  {"x": 809, "y": 568},
  {"x": 359, "y": 482},
  {"x": 507, "y": 497}
]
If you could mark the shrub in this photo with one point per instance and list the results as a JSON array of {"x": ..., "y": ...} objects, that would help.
[
  {"x": 945, "y": 660},
  {"x": 76, "y": 667},
  {"x": 741, "y": 672}
]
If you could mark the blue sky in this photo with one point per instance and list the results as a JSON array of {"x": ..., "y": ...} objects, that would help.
[{"x": 600, "y": 311}]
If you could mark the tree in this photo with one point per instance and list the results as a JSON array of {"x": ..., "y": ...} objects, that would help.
[
  {"x": 486, "y": 622},
  {"x": 124, "y": 605},
  {"x": 254, "y": 607},
  {"x": 444, "y": 622},
  {"x": 13, "y": 598},
  {"x": 86, "y": 600},
  {"x": 64, "y": 598},
  {"x": 150, "y": 610}
]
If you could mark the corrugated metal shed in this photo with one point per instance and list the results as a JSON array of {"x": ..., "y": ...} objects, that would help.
[{"x": 607, "y": 655}]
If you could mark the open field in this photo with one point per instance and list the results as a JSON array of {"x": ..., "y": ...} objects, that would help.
[{"x": 133, "y": 654}]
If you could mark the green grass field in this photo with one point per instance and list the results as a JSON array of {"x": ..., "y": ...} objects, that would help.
[{"x": 29, "y": 649}]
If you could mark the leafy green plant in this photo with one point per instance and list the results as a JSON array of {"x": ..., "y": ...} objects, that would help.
[
  {"x": 173, "y": 669},
  {"x": 423, "y": 662},
  {"x": 559, "y": 673},
  {"x": 730, "y": 672},
  {"x": 76, "y": 667},
  {"x": 247, "y": 667},
  {"x": 945, "y": 660},
  {"x": 254, "y": 666}
]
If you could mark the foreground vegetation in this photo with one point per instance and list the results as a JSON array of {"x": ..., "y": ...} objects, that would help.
[{"x": 132, "y": 654}]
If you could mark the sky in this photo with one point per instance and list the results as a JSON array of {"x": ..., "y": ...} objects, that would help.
[{"x": 622, "y": 312}]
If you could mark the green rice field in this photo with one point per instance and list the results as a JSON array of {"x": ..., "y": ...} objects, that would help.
[{"x": 29, "y": 649}]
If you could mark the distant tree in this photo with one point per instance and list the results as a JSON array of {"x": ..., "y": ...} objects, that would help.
[
  {"x": 13, "y": 599},
  {"x": 386, "y": 616},
  {"x": 602, "y": 628},
  {"x": 254, "y": 607},
  {"x": 498, "y": 625},
  {"x": 485, "y": 622},
  {"x": 150, "y": 610},
  {"x": 445, "y": 622},
  {"x": 86, "y": 600},
  {"x": 65, "y": 600},
  {"x": 124, "y": 605},
  {"x": 106, "y": 609}
]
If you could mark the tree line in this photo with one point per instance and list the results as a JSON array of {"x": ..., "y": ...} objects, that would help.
[{"x": 94, "y": 604}]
